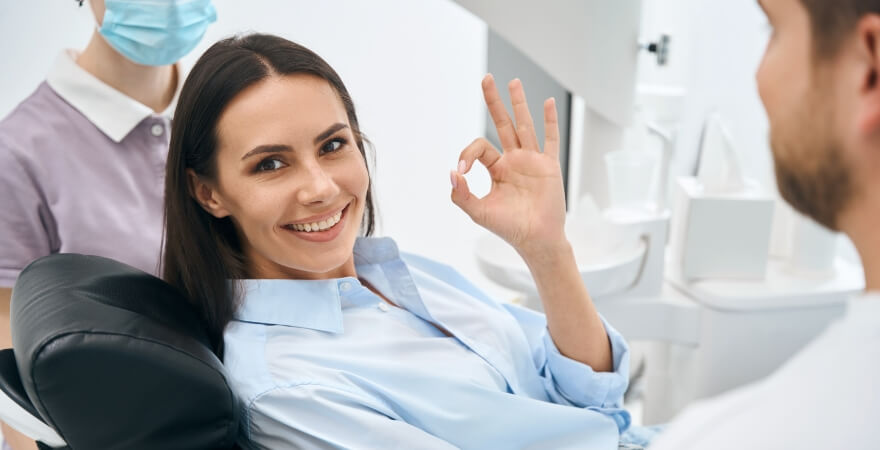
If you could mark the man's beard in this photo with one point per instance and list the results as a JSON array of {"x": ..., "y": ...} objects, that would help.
[{"x": 811, "y": 169}]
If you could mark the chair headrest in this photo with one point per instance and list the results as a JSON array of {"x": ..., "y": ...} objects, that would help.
[{"x": 113, "y": 357}]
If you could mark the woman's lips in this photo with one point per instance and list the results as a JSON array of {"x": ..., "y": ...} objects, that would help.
[
  {"x": 324, "y": 235},
  {"x": 316, "y": 219}
]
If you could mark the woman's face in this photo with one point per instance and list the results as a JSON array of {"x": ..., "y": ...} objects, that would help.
[{"x": 291, "y": 178}]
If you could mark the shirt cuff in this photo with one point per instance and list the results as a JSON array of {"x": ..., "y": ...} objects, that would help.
[{"x": 583, "y": 386}]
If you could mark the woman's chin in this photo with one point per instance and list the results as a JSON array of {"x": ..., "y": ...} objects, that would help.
[{"x": 327, "y": 266}]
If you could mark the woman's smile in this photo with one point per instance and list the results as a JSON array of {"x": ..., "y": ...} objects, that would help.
[{"x": 320, "y": 230}]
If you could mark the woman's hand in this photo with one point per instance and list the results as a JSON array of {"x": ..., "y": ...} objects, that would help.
[{"x": 526, "y": 205}]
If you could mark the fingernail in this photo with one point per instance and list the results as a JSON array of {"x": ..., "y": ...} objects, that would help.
[
  {"x": 453, "y": 180},
  {"x": 461, "y": 166}
]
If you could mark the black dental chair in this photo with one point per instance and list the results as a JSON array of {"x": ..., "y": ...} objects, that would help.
[{"x": 109, "y": 357}]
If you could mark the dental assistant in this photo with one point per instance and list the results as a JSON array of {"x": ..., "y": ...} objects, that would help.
[{"x": 82, "y": 159}]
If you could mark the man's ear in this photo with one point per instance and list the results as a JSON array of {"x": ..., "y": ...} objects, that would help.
[
  {"x": 869, "y": 55},
  {"x": 205, "y": 195}
]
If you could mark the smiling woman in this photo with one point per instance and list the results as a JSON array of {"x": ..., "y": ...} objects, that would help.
[{"x": 333, "y": 338}]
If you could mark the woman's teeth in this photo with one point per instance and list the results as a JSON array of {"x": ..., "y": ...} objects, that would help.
[{"x": 317, "y": 226}]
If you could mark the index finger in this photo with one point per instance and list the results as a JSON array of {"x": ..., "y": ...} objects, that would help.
[
  {"x": 478, "y": 150},
  {"x": 503, "y": 124}
]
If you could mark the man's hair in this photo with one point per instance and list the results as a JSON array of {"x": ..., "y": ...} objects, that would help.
[{"x": 833, "y": 20}]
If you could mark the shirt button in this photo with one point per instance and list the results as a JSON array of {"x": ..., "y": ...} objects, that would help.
[
  {"x": 157, "y": 130},
  {"x": 345, "y": 286},
  {"x": 383, "y": 307}
]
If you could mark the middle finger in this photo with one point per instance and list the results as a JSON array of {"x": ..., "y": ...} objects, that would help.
[{"x": 525, "y": 128}]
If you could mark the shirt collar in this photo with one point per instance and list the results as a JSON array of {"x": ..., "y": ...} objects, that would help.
[
  {"x": 113, "y": 112},
  {"x": 375, "y": 250},
  {"x": 317, "y": 304},
  {"x": 313, "y": 304}
]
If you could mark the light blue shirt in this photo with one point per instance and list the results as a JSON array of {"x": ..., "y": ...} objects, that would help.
[{"x": 328, "y": 363}]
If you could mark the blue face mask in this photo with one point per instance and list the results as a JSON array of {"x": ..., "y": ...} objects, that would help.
[{"x": 156, "y": 32}]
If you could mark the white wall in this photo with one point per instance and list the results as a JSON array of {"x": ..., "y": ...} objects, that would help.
[
  {"x": 31, "y": 34},
  {"x": 717, "y": 46},
  {"x": 412, "y": 67}
]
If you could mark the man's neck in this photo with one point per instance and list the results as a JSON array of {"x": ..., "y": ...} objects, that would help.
[
  {"x": 861, "y": 227},
  {"x": 153, "y": 86}
]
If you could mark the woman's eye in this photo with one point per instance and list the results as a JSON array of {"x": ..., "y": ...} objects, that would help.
[
  {"x": 333, "y": 145},
  {"x": 269, "y": 164}
]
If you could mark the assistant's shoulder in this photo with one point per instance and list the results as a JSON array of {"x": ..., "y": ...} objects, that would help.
[
  {"x": 33, "y": 109},
  {"x": 33, "y": 122}
]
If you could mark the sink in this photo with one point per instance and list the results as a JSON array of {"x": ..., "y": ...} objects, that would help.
[{"x": 609, "y": 263}]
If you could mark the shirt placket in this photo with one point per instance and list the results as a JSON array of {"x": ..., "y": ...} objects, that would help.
[{"x": 159, "y": 135}]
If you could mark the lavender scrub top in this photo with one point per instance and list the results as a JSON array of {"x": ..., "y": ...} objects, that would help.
[{"x": 82, "y": 170}]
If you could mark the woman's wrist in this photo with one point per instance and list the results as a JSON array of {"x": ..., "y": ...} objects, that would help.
[{"x": 547, "y": 254}]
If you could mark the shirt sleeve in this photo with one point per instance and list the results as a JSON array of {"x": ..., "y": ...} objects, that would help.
[
  {"x": 566, "y": 381},
  {"x": 571, "y": 382},
  {"x": 312, "y": 416},
  {"x": 25, "y": 222}
]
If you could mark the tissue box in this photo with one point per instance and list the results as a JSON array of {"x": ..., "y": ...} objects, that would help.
[{"x": 720, "y": 235}]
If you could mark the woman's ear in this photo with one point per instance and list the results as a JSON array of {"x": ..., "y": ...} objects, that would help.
[{"x": 205, "y": 195}]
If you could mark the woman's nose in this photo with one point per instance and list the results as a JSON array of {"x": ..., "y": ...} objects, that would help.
[{"x": 317, "y": 186}]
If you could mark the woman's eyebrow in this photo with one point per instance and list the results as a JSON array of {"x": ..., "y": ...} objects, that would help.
[
  {"x": 268, "y": 148},
  {"x": 275, "y": 148},
  {"x": 329, "y": 131}
]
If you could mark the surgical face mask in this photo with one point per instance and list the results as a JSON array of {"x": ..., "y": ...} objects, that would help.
[{"x": 156, "y": 32}]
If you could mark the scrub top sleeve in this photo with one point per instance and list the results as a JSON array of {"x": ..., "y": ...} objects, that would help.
[{"x": 25, "y": 220}]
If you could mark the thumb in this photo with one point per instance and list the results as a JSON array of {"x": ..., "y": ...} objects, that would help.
[{"x": 463, "y": 198}]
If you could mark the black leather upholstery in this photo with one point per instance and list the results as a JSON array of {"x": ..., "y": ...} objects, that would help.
[
  {"x": 114, "y": 358},
  {"x": 10, "y": 382}
]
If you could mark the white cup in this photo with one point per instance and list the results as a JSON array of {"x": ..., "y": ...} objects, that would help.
[{"x": 631, "y": 180}]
